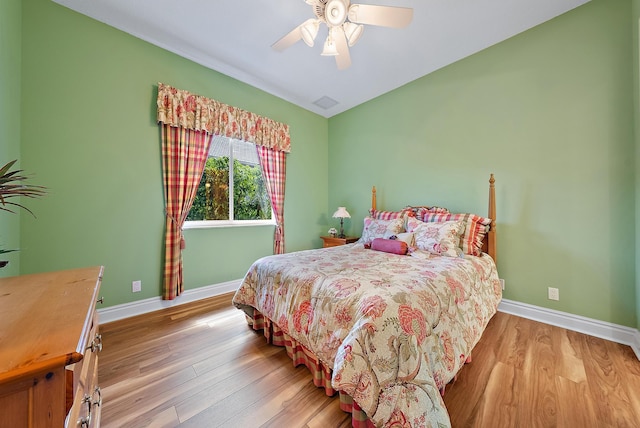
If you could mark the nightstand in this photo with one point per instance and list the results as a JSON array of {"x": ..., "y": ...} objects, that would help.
[{"x": 330, "y": 241}]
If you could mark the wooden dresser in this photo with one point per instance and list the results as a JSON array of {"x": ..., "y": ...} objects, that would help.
[{"x": 49, "y": 343}]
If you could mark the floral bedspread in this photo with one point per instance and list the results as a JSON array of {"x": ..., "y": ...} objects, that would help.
[{"x": 395, "y": 329}]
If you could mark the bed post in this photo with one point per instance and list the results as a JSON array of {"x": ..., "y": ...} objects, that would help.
[
  {"x": 492, "y": 241},
  {"x": 374, "y": 202}
]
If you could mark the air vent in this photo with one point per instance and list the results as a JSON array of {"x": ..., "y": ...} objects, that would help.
[{"x": 325, "y": 102}]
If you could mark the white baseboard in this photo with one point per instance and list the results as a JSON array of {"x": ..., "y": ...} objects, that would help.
[
  {"x": 604, "y": 330},
  {"x": 636, "y": 344},
  {"x": 126, "y": 310}
]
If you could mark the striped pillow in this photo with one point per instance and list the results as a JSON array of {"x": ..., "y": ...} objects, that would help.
[
  {"x": 386, "y": 215},
  {"x": 409, "y": 211},
  {"x": 476, "y": 228},
  {"x": 420, "y": 211}
]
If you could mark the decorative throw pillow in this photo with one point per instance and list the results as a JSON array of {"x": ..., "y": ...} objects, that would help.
[
  {"x": 393, "y": 246},
  {"x": 437, "y": 238},
  {"x": 476, "y": 228},
  {"x": 374, "y": 228},
  {"x": 406, "y": 237}
]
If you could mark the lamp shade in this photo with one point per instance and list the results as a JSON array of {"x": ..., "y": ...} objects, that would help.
[
  {"x": 330, "y": 48},
  {"x": 309, "y": 31},
  {"x": 353, "y": 32},
  {"x": 341, "y": 213}
]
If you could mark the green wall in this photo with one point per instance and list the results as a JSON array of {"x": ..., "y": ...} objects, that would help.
[
  {"x": 89, "y": 132},
  {"x": 10, "y": 54},
  {"x": 550, "y": 112}
]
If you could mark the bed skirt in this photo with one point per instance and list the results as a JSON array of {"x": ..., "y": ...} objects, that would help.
[{"x": 321, "y": 374}]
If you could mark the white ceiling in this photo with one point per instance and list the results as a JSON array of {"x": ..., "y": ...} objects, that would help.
[{"x": 234, "y": 37}]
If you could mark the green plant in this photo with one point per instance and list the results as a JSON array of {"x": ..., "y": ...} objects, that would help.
[{"x": 11, "y": 186}]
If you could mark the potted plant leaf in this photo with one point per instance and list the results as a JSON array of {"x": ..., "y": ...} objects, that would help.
[{"x": 12, "y": 186}]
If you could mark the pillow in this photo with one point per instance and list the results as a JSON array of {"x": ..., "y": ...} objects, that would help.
[
  {"x": 438, "y": 238},
  {"x": 386, "y": 215},
  {"x": 409, "y": 210},
  {"x": 393, "y": 246},
  {"x": 406, "y": 237},
  {"x": 421, "y": 210},
  {"x": 374, "y": 228},
  {"x": 476, "y": 228}
]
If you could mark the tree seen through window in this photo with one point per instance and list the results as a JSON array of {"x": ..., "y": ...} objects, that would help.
[{"x": 250, "y": 198}]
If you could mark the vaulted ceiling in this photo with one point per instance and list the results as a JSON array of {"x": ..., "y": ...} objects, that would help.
[{"x": 234, "y": 37}]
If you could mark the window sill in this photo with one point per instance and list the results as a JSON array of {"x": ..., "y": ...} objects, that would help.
[{"x": 225, "y": 224}]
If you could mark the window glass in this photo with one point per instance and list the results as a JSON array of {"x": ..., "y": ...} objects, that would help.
[{"x": 243, "y": 181}]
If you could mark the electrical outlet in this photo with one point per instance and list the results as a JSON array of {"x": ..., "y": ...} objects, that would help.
[
  {"x": 502, "y": 283},
  {"x": 136, "y": 286},
  {"x": 554, "y": 294}
]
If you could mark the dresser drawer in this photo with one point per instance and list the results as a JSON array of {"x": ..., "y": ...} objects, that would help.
[
  {"x": 87, "y": 406},
  {"x": 87, "y": 397}
]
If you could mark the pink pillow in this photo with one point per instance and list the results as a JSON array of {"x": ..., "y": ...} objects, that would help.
[{"x": 393, "y": 246}]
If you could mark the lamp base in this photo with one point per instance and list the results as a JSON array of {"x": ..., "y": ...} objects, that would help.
[{"x": 342, "y": 235}]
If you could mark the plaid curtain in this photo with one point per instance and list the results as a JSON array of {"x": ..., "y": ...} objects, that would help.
[
  {"x": 184, "y": 153},
  {"x": 273, "y": 164}
]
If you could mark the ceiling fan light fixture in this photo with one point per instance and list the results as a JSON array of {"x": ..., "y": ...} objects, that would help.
[
  {"x": 330, "y": 48},
  {"x": 345, "y": 22},
  {"x": 353, "y": 32},
  {"x": 309, "y": 31}
]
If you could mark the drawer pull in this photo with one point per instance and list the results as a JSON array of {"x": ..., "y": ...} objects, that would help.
[
  {"x": 97, "y": 402},
  {"x": 90, "y": 401},
  {"x": 100, "y": 300},
  {"x": 86, "y": 421},
  {"x": 96, "y": 343}
]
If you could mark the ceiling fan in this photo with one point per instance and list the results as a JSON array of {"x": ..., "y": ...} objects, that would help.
[{"x": 345, "y": 24}]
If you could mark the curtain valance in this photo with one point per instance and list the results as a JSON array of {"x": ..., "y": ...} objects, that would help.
[{"x": 181, "y": 108}]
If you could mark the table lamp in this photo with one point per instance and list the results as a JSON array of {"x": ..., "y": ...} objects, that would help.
[{"x": 341, "y": 213}]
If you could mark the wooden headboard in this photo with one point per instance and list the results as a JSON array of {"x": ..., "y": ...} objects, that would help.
[{"x": 489, "y": 244}]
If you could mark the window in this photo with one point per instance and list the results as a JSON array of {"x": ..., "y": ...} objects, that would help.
[{"x": 231, "y": 195}]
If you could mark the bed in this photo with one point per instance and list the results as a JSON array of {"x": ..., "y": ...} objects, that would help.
[{"x": 384, "y": 329}]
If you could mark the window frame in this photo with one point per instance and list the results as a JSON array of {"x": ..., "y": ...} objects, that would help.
[{"x": 207, "y": 224}]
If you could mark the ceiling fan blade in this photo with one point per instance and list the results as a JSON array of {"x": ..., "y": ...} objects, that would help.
[
  {"x": 288, "y": 40},
  {"x": 384, "y": 16},
  {"x": 343, "y": 59}
]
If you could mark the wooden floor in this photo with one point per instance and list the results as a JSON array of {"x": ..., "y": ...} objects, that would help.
[{"x": 200, "y": 365}]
